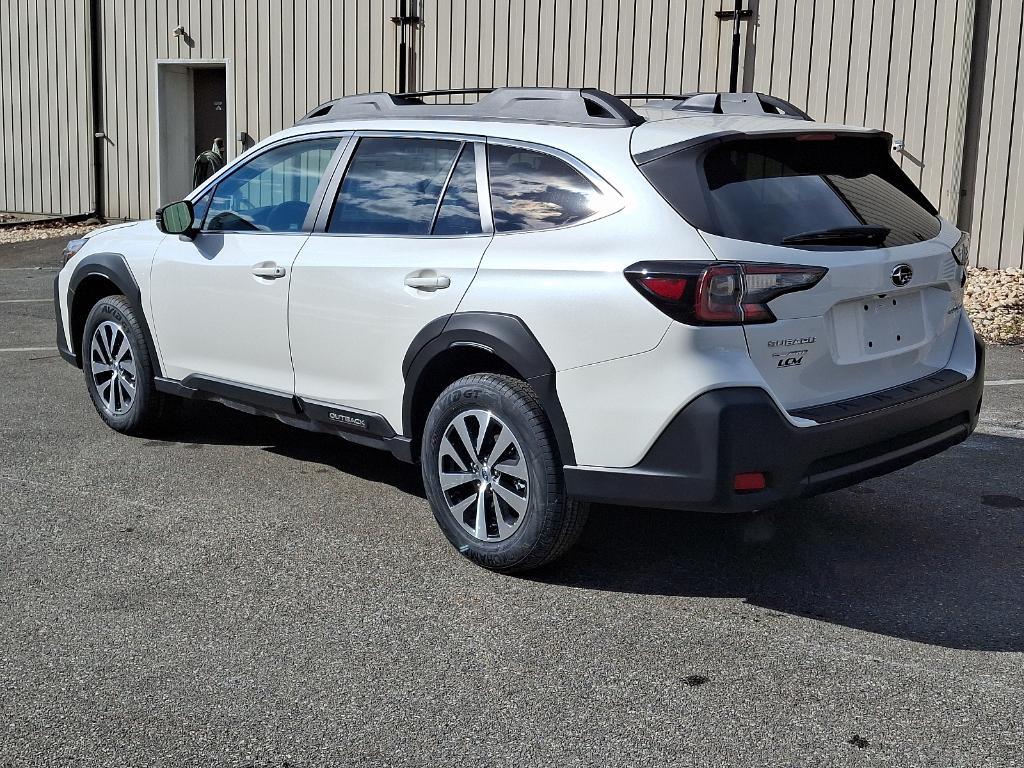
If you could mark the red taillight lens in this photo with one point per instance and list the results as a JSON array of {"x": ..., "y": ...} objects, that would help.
[
  {"x": 719, "y": 293},
  {"x": 671, "y": 288}
]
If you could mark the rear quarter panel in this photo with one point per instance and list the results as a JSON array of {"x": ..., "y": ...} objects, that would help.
[{"x": 567, "y": 284}]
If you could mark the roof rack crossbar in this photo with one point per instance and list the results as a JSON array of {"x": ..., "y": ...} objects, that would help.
[{"x": 570, "y": 106}]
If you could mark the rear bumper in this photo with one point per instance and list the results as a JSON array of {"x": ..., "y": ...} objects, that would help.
[{"x": 724, "y": 432}]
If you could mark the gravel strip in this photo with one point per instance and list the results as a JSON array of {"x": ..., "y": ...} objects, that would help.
[
  {"x": 44, "y": 231},
  {"x": 994, "y": 298}
]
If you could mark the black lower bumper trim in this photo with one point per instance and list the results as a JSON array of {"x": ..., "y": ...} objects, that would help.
[
  {"x": 722, "y": 433},
  {"x": 886, "y": 398}
]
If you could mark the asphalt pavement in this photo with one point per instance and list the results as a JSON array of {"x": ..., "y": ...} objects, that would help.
[{"x": 238, "y": 593}]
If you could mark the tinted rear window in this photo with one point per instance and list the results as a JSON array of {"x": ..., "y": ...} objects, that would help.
[{"x": 766, "y": 190}]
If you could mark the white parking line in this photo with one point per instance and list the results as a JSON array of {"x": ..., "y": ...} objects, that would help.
[
  {"x": 1004, "y": 382},
  {"x": 24, "y": 301},
  {"x": 34, "y": 269},
  {"x": 29, "y": 349}
]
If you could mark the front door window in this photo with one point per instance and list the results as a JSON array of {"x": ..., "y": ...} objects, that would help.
[{"x": 272, "y": 192}]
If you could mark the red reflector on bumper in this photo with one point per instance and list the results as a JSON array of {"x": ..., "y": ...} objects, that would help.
[{"x": 749, "y": 481}]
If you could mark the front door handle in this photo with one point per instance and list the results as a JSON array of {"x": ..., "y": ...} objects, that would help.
[
  {"x": 428, "y": 282},
  {"x": 269, "y": 271}
]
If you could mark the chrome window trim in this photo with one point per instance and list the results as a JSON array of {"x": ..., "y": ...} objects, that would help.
[
  {"x": 210, "y": 185},
  {"x": 612, "y": 200},
  {"x": 334, "y": 186}
]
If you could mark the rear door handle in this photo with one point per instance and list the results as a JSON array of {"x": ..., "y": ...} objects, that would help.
[
  {"x": 424, "y": 283},
  {"x": 269, "y": 271}
]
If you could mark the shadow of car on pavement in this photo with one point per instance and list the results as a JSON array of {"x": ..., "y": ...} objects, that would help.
[{"x": 933, "y": 554}]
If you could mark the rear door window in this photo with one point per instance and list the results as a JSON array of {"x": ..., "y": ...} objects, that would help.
[
  {"x": 768, "y": 190},
  {"x": 534, "y": 190},
  {"x": 392, "y": 186}
]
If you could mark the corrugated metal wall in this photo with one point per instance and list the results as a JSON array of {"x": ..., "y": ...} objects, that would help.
[
  {"x": 635, "y": 46},
  {"x": 45, "y": 109},
  {"x": 994, "y": 173},
  {"x": 284, "y": 57},
  {"x": 891, "y": 64},
  {"x": 901, "y": 66},
  {"x": 904, "y": 66}
]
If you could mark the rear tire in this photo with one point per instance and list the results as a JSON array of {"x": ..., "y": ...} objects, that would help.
[
  {"x": 118, "y": 370},
  {"x": 493, "y": 475}
]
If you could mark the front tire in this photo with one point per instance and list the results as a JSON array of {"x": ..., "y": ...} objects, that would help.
[
  {"x": 493, "y": 475},
  {"x": 117, "y": 367}
]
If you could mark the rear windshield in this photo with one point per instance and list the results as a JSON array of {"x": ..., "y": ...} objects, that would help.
[{"x": 767, "y": 190}]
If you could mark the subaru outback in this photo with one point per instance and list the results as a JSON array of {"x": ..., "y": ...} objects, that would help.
[{"x": 548, "y": 298}]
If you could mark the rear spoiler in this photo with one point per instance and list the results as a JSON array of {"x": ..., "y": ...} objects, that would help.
[{"x": 718, "y": 137}]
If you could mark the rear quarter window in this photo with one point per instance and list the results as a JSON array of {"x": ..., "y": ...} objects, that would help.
[
  {"x": 533, "y": 190},
  {"x": 765, "y": 190}
]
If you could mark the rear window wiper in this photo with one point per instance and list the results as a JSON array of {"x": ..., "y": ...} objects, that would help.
[{"x": 863, "y": 234}]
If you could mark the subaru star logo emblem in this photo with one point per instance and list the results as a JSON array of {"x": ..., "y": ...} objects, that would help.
[{"x": 902, "y": 274}]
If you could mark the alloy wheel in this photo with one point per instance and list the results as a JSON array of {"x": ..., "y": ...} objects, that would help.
[
  {"x": 483, "y": 475},
  {"x": 113, "y": 367}
]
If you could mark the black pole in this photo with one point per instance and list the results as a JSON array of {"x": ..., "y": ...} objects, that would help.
[
  {"x": 402, "y": 55},
  {"x": 99, "y": 136},
  {"x": 734, "y": 65}
]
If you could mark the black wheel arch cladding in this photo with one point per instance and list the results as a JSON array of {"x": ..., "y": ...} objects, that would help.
[
  {"x": 113, "y": 268},
  {"x": 504, "y": 336}
]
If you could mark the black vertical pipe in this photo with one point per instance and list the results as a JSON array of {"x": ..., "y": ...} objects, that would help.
[
  {"x": 96, "y": 65},
  {"x": 402, "y": 53},
  {"x": 734, "y": 64}
]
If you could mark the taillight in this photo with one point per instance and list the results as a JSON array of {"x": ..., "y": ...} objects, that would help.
[
  {"x": 962, "y": 249},
  {"x": 702, "y": 293}
]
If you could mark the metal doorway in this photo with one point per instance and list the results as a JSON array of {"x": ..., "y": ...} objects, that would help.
[{"x": 193, "y": 110}]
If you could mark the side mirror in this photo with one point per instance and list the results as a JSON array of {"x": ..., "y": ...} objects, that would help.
[{"x": 175, "y": 218}]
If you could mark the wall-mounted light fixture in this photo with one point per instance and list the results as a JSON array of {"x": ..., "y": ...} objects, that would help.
[{"x": 183, "y": 36}]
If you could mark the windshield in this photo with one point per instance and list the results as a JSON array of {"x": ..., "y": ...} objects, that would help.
[{"x": 774, "y": 190}]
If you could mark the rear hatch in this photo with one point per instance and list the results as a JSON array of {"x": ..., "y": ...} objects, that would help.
[{"x": 887, "y": 309}]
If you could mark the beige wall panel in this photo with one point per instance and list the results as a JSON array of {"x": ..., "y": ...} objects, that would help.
[
  {"x": 861, "y": 59},
  {"x": 920, "y": 67},
  {"x": 626, "y": 31},
  {"x": 638, "y": 68},
  {"x": 45, "y": 160},
  {"x": 560, "y": 33},
  {"x": 995, "y": 218}
]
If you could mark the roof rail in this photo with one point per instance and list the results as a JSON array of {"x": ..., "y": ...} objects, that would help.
[
  {"x": 569, "y": 106},
  {"x": 721, "y": 103}
]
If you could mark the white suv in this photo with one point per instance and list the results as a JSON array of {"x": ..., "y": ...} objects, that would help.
[{"x": 548, "y": 298}]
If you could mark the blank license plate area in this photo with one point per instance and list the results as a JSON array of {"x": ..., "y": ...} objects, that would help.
[{"x": 875, "y": 326}]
